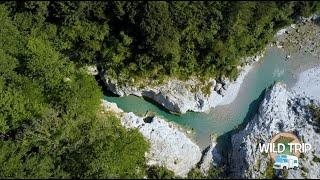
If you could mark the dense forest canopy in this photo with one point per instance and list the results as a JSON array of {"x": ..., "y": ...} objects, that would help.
[
  {"x": 50, "y": 124},
  {"x": 50, "y": 119},
  {"x": 154, "y": 40}
]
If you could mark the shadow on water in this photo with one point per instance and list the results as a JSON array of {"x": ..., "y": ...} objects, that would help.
[
  {"x": 107, "y": 92},
  {"x": 224, "y": 141},
  {"x": 162, "y": 108}
]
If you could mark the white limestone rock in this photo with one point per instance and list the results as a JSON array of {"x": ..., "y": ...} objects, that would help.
[
  {"x": 308, "y": 83},
  {"x": 109, "y": 106},
  {"x": 176, "y": 95},
  {"x": 280, "y": 111},
  {"x": 92, "y": 70},
  {"x": 169, "y": 147},
  {"x": 218, "y": 87},
  {"x": 211, "y": 158}
]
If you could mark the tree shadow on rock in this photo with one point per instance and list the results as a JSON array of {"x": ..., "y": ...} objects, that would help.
[
  {"x": 104, "y": 88},
  {"x": 224, "y": 144}
]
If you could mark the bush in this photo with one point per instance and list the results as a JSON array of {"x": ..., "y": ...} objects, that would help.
[
  {"x": 316, "y": 115},
  {"x": 213, "y": 173},
  {"x": 195, "y": 173},
  {"x": 155, "y": 172},
  {"x": 316, "y": 159},
  {"x": 269, "y": 172}
]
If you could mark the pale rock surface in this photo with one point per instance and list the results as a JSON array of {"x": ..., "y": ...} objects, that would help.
[
  {"x": 92, "y": 70},
  {"x": 280, "y": 111},
  {"x": 177, "y": 96},
  {"x": 170, "y": 147},
  {"x": 211, "y": 157},
  {"x": 308, "y": 83},
  {"x": 109, "y": 106}
]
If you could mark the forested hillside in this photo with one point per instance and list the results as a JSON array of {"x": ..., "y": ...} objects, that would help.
[
  {"x": 157, "y": 39},
  {"x": 50, "y": 120}
]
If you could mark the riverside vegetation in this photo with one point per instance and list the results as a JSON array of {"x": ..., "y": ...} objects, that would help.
[
  {"x": 316, "y": 115},
  {"x": 51, "y": 123}
]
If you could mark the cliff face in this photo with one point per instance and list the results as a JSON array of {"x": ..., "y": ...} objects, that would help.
[
  {"x": 170, "y": 147},
  {"x": 182, "y": 96},
  {"x": 280, "y": 111}
]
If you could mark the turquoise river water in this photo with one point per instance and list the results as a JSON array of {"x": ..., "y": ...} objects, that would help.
[{"x": 222, "y": 119}]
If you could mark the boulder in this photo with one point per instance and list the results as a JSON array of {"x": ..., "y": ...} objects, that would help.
[
  {"x": 213, "y": 83},
  {"x": 218, "y": 87},
  {"x": 225, "y": 87},
  {"x": 92, "y": 70}
]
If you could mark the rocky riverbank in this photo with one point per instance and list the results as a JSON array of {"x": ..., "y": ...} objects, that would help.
[
  {"x": 211, "y": 157},
  {"x": 301, "y": 38},
  {"x": 192, "y": 95},
  {"x": 280, "y": 111},
  {"x": 308, "y": 83},
  {"x": 182, "y": 96},
  {"x": 169, "y": 147}
]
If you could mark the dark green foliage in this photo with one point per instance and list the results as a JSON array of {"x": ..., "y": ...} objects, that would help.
[
  {"x": 50, "y": 120},
  {"x": 316, "y": 159},
  {"x": 192, "y": 38},
  {"x": 316, "y": 112},
  {"x": 195, "y": 173},
  {"x": 155, "y": 172},
  {"x": 213, "y": 173},
  {"x": 269, "y": 172},
  {"x": 158, "y": 39},
  {"x": 316, "y": 116}
]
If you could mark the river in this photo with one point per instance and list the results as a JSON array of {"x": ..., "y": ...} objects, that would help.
[{"x": 271, "y": 68}]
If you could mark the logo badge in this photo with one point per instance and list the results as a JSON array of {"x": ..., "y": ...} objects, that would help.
[{"x": 284, "y": 150}]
